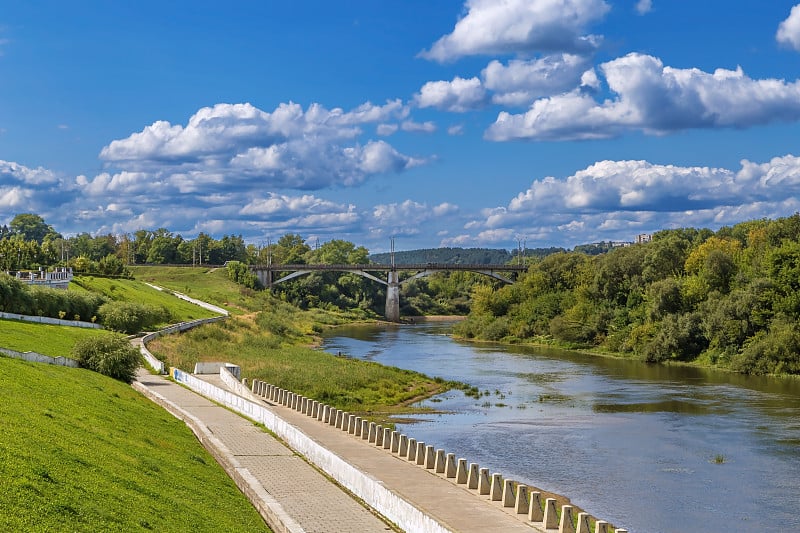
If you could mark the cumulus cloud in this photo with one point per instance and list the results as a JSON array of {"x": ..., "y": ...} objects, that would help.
[
  {"x": 407, "y": 218},
  {"x": 520, "y": 26},
  {"x": 644, "y": 6},
  {"x": 656, "y": 100},
  {"x": 238, "y": 146},
  {"x": 24, "y": 188},
  {"x": 418, "y": 127},
  {"x": 789, "y": 30},
  {"x": 521, "y": 81},
  {"x": 458, "y": 95},
  {"x": 455, "y": 129},
  {"x": 615, "y": 200}
]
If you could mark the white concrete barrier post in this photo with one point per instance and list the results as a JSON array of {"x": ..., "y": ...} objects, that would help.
[
  {"x": 450, "y": 465},
  {"x": 439, "y": 463},
  {"x": 496, "y": 491},
  {"x": 395, "y": 445},
  {"x": 372, "y": 430},
  {"x": 339, "y": 419},
  {"x": 379, "y": 435},
  {"x": 387, "y": 438},
  {"x": 421, "y": 447},
  {"x": 461, "y": 471},
  {"x": 355, "y": 424},
  {"x": 484, "y": 483},
  {"x": 601, "y": 526},
  {"x": 364, "y": 429},
  {"x": 430, "y": 457},
  {"x": 357, "y": 427},
  {"x": 508, "y": 493},
  {"x": 583, "y": 523},
  {"x": 333, "y": 417},
  {"x": 566, "y": 524},
  {"x": 521, "y": 505},
  {"x": 535, "y": 512},
  {"x": 314, "y": 409},
  {"x": 472, "y": 476},
  {"x": 402, "y": 449},
  {"x": 550, "y": 514},
  {"x": 326, "y": 413},
  {"x": 321, "y": 412},
  {"x": 412, "y": 450}
]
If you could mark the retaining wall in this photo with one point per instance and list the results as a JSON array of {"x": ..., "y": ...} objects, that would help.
[
  {"x": 364, "y": 486},
  {"x": 151, "y": 359},
  {"x": 40, "y": 358},
  {"x": 53, "y": 321}
]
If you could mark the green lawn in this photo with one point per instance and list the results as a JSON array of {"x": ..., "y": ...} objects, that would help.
[
  {"x": 137, "y": 291},
  {"x": 82, "y": 452},
  {"x": 210, "y": 285},
  {"x": 55, "y": 341}
]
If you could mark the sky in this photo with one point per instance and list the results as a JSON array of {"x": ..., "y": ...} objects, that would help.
[{"x": 472, "y": 123}]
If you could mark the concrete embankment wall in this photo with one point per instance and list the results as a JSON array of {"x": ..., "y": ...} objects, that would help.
[
  {"x": 52, "y": 321},
  {"x": 40, "y": 358},
  {"x": 372, "y": 491},
  {"x": 152, "y": 360}
]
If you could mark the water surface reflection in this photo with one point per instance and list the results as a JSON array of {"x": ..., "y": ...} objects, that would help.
[{"x": 631, "y": 443}]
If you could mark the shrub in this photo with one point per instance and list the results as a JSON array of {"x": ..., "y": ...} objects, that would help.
[
  {"x": 110, "y": 355},
  {"x": 130, "y": 317}
]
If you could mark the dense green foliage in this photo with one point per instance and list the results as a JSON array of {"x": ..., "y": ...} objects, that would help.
[
  {"x": 82, "y": 452},
  {"x": 729, "y": 298},
  {"x": 110, "y": 355},
  {"x": 17, "y": 297},
  {"x": 131, "y": 317}
]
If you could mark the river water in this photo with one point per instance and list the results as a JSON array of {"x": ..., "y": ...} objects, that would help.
[{"x": 633, "y": 444}]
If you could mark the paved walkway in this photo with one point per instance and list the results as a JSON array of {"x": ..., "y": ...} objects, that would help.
[
  {"x": 291, "y": 491},
  {"x": 312, "y": 501}
]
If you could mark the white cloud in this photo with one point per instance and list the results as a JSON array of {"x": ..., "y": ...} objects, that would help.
[
  {"x": 520, "y": 26},
  {"x": 407, "y": 218},
  {"x": 644, "y": 6},
  {"x": 455, "y": 129},
  {"x": 418, "y": 127},
  {"x": 614, "y": 200},
  {"x": 11, "y": 172},
  {"x": 520, "y": 82},
  {"x": 385, "y": 130},
  {"x": 656, "y": 100},
  {"x": 238, "y": 146},
  {"x": 458, "y": 95},
  {"x": 789, "y": 30}
]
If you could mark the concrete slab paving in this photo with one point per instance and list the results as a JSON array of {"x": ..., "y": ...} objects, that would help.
[
  {"x": 294, "y": 496},
  {"x": 454, "y": 506}
]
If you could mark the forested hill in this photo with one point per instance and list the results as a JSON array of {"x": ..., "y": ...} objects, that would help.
[{"x": 458, "y": 256}]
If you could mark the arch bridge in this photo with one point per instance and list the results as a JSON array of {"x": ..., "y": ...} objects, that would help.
[{"x": 504, "y": 273}]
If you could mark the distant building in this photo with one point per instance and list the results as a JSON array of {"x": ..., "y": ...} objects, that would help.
[
  {"x": 58, "y": 279},
  {"x": 643, "y": 238}
]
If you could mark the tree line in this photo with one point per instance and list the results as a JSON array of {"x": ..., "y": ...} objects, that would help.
[{"x": 729, "y": 298}]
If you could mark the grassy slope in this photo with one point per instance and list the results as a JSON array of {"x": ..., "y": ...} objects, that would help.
[
  {"x": 82, "y": 452},
  {"x": 209, "y": 285},
  {"x": 49, "y": 340},
  {"x": 136, "y": 291}
]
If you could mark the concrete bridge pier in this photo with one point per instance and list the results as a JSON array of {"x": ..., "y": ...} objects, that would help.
[{"x": 393, "y": 297}]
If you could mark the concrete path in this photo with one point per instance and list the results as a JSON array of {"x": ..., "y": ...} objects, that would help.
[
  {"x": 290, "y": 493},
  {"x": 315, "y": 503}
]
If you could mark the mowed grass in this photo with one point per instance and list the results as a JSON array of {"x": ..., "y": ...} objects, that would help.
[
  {"x": 55, "y": 341},
  {"x": 268, "y": 346},
  {"x": 210, "y": 285},
  {"x": 82, "y": 452},
  {"x": 136, "y": 291}
]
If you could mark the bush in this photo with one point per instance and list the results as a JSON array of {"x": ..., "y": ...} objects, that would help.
[
  {"x": 130, "y": 317},
  {"x": 110, "y": 355}
]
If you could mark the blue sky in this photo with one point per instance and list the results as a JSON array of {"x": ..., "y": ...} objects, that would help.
[{"x": 452, "y": 123}]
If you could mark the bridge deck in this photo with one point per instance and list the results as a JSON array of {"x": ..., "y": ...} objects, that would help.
[{"x": 375, "y": 267}]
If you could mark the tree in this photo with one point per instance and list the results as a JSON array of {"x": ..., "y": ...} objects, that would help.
[{"x": 31, "y": 227}]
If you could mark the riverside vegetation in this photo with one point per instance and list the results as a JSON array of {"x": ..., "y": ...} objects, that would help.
[{"x": 729, "y": 299}]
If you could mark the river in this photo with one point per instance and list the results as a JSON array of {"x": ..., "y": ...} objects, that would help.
[{"x": 648, "y": 448}]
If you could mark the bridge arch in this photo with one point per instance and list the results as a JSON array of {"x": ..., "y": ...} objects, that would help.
[{"x": 265, "y": 275}]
